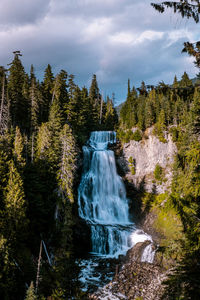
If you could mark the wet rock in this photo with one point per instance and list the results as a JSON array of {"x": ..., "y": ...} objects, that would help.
[
  {"x": 134, "y": 279},
  {"x": 135, "y": 253}
]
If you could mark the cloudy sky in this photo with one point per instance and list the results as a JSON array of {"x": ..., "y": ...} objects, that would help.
[{"x": 114, "y": 39}]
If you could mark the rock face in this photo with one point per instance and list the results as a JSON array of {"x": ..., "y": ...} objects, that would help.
[
  {"x": 134, "y": 279},
  {"x": 147, "y": 154}
]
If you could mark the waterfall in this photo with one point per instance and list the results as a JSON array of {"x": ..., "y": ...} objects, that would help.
[{"x": 102, "y": 197}]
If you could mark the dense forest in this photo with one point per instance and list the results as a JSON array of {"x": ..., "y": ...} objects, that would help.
[
  {"x": 175, "y": 109},
  {"x": 42, "y": 128}
]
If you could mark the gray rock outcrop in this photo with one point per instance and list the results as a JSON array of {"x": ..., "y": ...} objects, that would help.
[{"x": 147, "y": 154}]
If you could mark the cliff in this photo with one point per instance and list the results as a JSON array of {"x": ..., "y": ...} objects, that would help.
[{"x": 145, "y": 155}]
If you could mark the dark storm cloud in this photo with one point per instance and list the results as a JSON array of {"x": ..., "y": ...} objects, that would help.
[
  {"x": 116, "y": 39},
  {"x": 19, "y": 12}
]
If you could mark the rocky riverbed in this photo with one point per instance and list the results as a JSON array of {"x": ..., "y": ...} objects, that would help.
[{"x": 134, "y": 279}]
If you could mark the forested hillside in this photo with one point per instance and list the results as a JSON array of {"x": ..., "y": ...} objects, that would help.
[
  {"x": 174, "y": 109},
  {"x": 42, "y": 128}
]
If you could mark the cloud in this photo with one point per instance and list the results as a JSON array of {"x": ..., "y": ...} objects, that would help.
[
  {"x": 115, "y": 39},
  {"x": 16, "y": 13}
]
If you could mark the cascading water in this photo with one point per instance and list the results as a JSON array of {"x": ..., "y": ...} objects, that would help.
[
  {"x": 103, "y": 205},
  {"x": 102, "y": 197}
]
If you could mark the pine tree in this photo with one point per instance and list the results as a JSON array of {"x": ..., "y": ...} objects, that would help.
[
  {"x": 73, "y": 110},
  {"x": 95, "y": 104},
  {"x": 15, "y": 205},
  {"x": 140, "y": 112},
  {"x": 60, "y": 92},
  {"x": 110, "y": 118},
  {"x": 30, "y": 294},
  {"x": 18, "y": 105},
  {"x": 142, "y": 89},
  {"x": 43, "y": 143},
  {"x": 47, "y": 90},
  {"x": 195, "y": 112},
  {"x": 149, "y": 114},
  {"x": 4, "y": 104},
  {"x": 71, "y": 85},
  {"x": 185, "y": 81},
  {"x": 94, "y": 91},
  {"x": 67, "y": 165},
  {"x": 18, "y": 148},
  {"x": 35, "y": 100},
  {"x": 175, "y": 83}
]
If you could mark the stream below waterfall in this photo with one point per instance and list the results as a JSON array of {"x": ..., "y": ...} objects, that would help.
[{"x": 105, "y": 208}]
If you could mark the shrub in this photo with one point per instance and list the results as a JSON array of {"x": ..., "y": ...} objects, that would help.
[
  {"x": 174, "y": 133},
  {"x": 136, "y": 136},
  {"x": 133, "y": 170},
  {"x": 157, "y": 131},
  {"x": 158, "y": 173},
  {"x": 130, "y": 160},
  {"x": 132, "y": 163}
]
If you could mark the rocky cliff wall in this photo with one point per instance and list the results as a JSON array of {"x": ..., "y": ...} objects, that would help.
[{"x": 146, "y": 155}]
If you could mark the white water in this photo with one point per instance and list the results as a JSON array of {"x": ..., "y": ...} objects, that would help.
[
  {"x": 104, "y": 206},
  {"x": 102, "y": 197},
  {"x": 140, "y": 236},
  {"x": 148, "y": 254}
]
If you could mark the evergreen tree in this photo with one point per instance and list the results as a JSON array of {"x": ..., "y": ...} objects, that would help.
[
  {"x": 18, "y": 148},
  {"x": 71, "y": 85},
  {"x": 142, "y": 89},
  {"x": 110, "y": 118},
  {"x": 18, "y": 104},
  {"x": 140, "y": 112},
  {"x": 60, "y": 92},
  {"x": 185, "y": 81},
  {"x": 4, "y": 105},
  {"x": 195, "y": 112},
  {"x": 94, "y": 91},
  {"x": 15, "y": 205},
  {"x": 175, "y": 83},
  {"x": 74, "y": 108},
  {"x": 47, "y": 90},
  {"x": 30, "y": 294},
  {"x": 35, "y": 100},
  {"x": 44, "y": 138},
  {"x": 95, "y": 104},
  {"x": 67, "y": 165}
]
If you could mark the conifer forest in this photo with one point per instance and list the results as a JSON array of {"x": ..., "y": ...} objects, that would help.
[{"x": 65, "y": 198}]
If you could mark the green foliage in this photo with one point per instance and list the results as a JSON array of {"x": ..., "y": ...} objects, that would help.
[
  {"x": 47, "y": 91},
  {"x": 174, "y": 133},
  {"x": 160, "y": 127},
  {"x": 133, "y": 170},
  {"x": 67, "y": 165},
  {"x": 159, "y": 173},
  {"x": 42, "y": 125},
  {"x": 131, "y": 160},
  {"x": 128, "y": 135},
  {"x": 94, "y": 90},
  {"x": 132, "y": 165},
  {"x": 15, "y": 199},
  {"x": 136, "y": 136},
  {"x": 18, "y": 103},
  {"x": 30, "y": 294}
]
